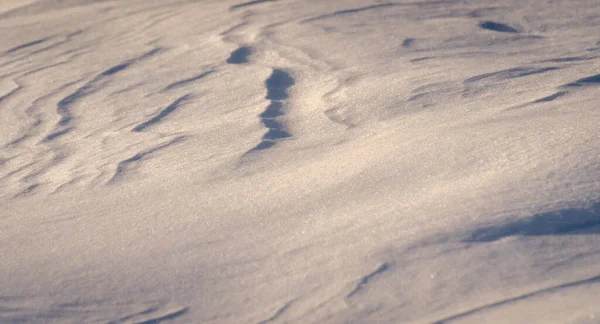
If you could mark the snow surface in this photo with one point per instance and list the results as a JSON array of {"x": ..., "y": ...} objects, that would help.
[{"x": 307, "y": 161}]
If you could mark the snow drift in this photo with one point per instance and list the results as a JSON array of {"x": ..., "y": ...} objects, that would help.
[{"x": 299, "y": 161}]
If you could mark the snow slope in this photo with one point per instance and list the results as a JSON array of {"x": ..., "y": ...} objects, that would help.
[{"x": 307, "y": 161}]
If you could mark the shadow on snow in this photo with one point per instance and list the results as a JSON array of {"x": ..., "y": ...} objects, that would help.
[{"x": 570, "y": 221}]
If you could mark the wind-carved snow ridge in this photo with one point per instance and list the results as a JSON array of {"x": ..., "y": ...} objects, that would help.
[
  {"x": 350, "y": 11},
  {"x": 26, "y": 45},
  {"x": 566, "y": 89},
  {"x": 591, "y": 80},
  {"x": 299, "y": 161},
  {"x": 509, "y": 74},
  {"x": 278, "y": 313},
  {"x": 65, "y": 106},
  {"x": 277, "y": 86},
  {"x": 128, "y": 164},
  {"x": 249, "y": 3},
  {"x": 154, "y": 315},
  {"x": 11, "y": 93},
  {"x": 20, "y": 53},
  {"x": 27, "y": 190},
  {"x": 571, "y": 221},
  {"x": 551, "y": 97},
  {"x": 18, "y": 309},
  {"x": 182, "y": 83},
  {"x": 162, "y": 114},
  {"x": 520, "y": 298},
  {"x": 366, "y": 279}
]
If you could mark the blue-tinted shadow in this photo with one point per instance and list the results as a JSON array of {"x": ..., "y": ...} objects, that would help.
[
  {"x": 570, "y": 221},
  {"x": 240, "y": 55},
  {"x": 498, "y": 27},
  {"x": 277, "y": 85}
]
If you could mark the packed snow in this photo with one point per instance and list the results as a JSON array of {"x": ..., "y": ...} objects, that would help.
[{"x": 299, "y": 161}]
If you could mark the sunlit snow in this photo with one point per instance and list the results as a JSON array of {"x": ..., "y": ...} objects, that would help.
[{"x": 299, "y": 161}]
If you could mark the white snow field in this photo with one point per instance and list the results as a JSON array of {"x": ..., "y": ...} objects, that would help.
[{"x": 299, "y": 161}]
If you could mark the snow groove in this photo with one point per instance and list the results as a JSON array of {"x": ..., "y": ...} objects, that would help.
[
  {"x": 588, "y": 81},
  {"x": 349, "y": 11},
  {"x": 249, "y": 3},
  {"x": 17, "y": 309},
  {"x": 519, "y": 298},
  {"x": 11, "y": 93},
  {"x": 277, "y": 86},
  {"x": 184, "y": 82},
  {"x": 498, "y": 27},
  {"x": 162, "y": 114},
  {"x": 366, "y": 279},
  {"x": 400, "y": 184},
  {"x": 563, "y": 222},
  {"x": 26, "y": 45},
  {"x": 155, "y": 316},
  {"x": 126, "y": 165},
  {"x": 65, "y": 106},
  {"x": 278, "y": 313},
  {"x": 509, "y": 74},
  {"x": 551, "y": 97}
]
